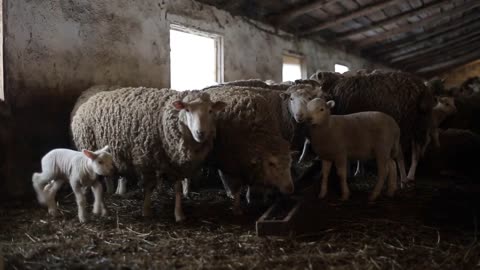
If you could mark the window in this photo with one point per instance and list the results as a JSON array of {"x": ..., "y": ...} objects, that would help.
[
  {"x": 341, "y": 68},
  {"x": 195, "y": 59},
  {"x": 292, "y": 68}
]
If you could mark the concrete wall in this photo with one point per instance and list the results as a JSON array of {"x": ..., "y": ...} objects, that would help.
[
  {"x": 458, "y": 75},
  {"x": 55, "y": 49}
]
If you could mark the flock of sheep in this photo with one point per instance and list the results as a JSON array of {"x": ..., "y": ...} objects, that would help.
[{"x": 247, "y": 130}]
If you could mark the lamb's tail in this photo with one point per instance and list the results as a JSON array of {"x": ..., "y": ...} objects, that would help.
[{"x": 39, "y": 188}]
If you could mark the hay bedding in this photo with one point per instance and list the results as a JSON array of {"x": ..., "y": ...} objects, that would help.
[{"x": 213, "y": 238}]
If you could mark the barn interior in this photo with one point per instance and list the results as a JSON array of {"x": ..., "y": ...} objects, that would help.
[{"x": 402, "y": 58}]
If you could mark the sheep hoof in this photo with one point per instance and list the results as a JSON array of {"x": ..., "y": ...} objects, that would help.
[
  {"x": 53, "y": 212},
  {"x": 180, "y": 218},
  {"x": 104, "y": 212},
  {"x": 82, "y": 220}
]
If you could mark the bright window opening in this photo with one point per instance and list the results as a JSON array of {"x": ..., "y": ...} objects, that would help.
[
  {"x": 195, "y": 59},
  {"x": 292, "y": 68},
  {"x": 341, "y": 68}
]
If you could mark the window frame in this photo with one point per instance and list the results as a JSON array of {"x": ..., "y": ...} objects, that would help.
[
  {"x": 301, "y": 57},
  {"x": 219, "y": 51}
]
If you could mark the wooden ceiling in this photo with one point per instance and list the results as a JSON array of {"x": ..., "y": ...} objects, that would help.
[{"x": 425, "y": 37}]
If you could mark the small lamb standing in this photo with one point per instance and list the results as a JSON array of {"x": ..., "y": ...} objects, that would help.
[
  {"x": 445, "y": 107},
  {"x": 358, "y": 136},
  {"x": 81, "y": 169}
]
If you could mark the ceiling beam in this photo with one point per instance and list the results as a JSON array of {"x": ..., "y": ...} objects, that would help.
[
  {"x": 424, "y": 50},
  {"x": 462, "y": 23},
  {"x": 450, "y": 64},
  {"x": 349, "y": 16},
  {"x": 407, "y": 27},
  {"x": 290, "y": 15},
  {"x": 391, "y": 20},
  {"x": 444, "y": 55}
]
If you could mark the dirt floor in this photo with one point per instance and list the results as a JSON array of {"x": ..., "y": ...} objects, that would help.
[{"x": 425, "y": 228}]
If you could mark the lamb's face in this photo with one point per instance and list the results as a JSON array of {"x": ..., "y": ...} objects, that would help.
[
  {"x": 200, "y": 117},
  {"x": 319, "y": 111},
  {"x": 101, "y": 161},
  {"x": 446, "y": 105},
  {"x": 276, "y": 172},
  {"x": 297, "y": 103}
]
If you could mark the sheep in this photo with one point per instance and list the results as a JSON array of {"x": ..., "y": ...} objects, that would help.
[
  {"x": 81, "y": 170},
  {"x": 445, "y": 107},
  {"x": 249, "y": 149},
  {"x": 360, "y": 136},
  {"x": 82, "y": 99},
  {"x": 467, "y": 115},
  {"x": 152, "y": 132}
]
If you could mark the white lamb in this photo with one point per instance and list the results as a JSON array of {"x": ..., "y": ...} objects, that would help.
[{"x": 81, "y": 169}]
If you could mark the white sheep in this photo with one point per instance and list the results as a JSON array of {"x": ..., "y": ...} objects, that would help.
[
  {"x": 81, "y": 170},
  {"x": 358, "y": 136},
  {"x": 445, "y": 106}
]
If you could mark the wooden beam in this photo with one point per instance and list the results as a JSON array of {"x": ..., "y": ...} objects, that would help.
[
  {"x": 416, "y": 53},
  {"x": 450, "y": 64},
  {"x": 288, "y": 16},
  {"x": 445, "y": 29},
  {"x": 350, "y": 16},
  {"x": 443, "y": 55},
  {"x": 407, "y": 27},
  {"x": 391, "y": 20}
]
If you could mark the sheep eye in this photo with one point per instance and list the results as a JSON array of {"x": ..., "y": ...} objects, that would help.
[
  {"x": 322, "y": 109},
  {"x": 100, "y": 162},
  {"x": 187, "y": 110},
  {"x": 291, "y": 99}
]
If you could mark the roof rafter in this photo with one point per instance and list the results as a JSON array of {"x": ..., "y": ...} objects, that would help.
[
  {"x": 350, "y": 16},
  {"x": 445, "y": 29},
  {"x": 450, "y": 64},
  {"x": 288, "y": 16},
  {"x": 391, "y": 20},
  {"x": 424, "y": 50},
  {"x": 410, "y": 26}
]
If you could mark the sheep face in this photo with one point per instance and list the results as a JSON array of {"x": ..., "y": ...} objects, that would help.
[
  {"x": 276, "y": 172},
  {"x": 101, "y": 161},
  {"x": 319, "y": 111},
  {"x": 199, "y": 116},
  {"x": 297, "y": 102},
  {"x": 446, "y": 105}
]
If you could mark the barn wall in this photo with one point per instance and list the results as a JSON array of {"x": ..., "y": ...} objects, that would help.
[
  {"x": 55, "y": 49},
  {"x": 458, "y": 75}
]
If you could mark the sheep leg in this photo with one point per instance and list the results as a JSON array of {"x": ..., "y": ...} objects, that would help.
[
  {"x": 80, "y": 198},
  {"x": 179, "y": 215},
  {"x": 226, "y": 183},
  {"x": 401, "y": 167},
  {"x": 392, "y": 178},
  {"x": 148, "y": 188},
  {"x": 326, "y": 166},
  {"x": 306, "y": 146},
  {"x": 51, "y": 189},
  {"x": 121, "y": 186},
  {"x": 413, "y": 166},
  {"x": 382, "y": 167},
  {"x": 109, "y": 184},
  {"x": 98, "y": 204},
  {"x": 358, "y": 170},
  {"x": 342, "y": 174},
  {"x": 186, "y": 187},
  {"x": 237, "y": 206}
]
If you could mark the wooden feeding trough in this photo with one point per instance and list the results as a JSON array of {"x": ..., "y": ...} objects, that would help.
[{"x": 279, "y": 219}]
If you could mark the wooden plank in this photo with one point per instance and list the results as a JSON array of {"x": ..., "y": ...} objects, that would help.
[
  {"x": 445, "y": 29},
  {"x": 350, "y": 16},
  {"x": 411, "y": 26},
  {"x": 443, "y": 52},
  {"x": 290, "y": 15},
  {"x": 424, "y": 50},
  {"x": 450, "y": 64},
  {"x": 442, "y": 57},
  {"x": 268, "y": 225},
  {"x": 391, "y": 20}
]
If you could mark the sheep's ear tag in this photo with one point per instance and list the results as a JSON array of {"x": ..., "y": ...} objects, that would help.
[
  {"x": 89, "y": 154},
  {"x": 179, "y": 105}
]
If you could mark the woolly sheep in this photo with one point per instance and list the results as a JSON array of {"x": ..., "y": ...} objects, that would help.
[
  {"x": 445, "y": 107},
  {"x": 359, "y": 136},
  {"x": 152, "y": 132},
  {"x": 81, "y": 170},
  {"x": 249, "y": 149}
]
